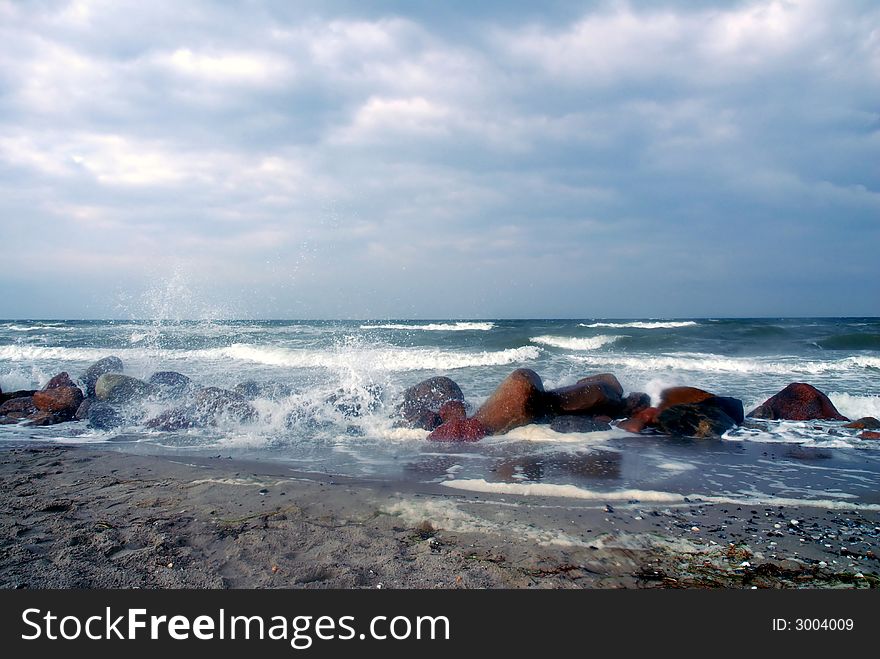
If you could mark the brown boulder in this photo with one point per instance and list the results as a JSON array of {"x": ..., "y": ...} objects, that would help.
[
  {"x": 798, "y": 402},
  {"x": 454, "y": 410},
  {"x": 22, "y": 404},
  {"x": 467, "y": 430},
  {"x": 681, "y": 396},
  {"x": 60, "y": 380},
  {"x": 869, "y": 434},
  {"x": 518, "y": 401},
  {"x": 640, "y": 420},
  {"x": 63, "y": 400},
  {"x": 865, "y": 423},
  {"x": 587, "y": 397},
  {"x": 422, "y": 401},
  {"x": 634, "y": 403},
  {"x": 22, "y": 393}
]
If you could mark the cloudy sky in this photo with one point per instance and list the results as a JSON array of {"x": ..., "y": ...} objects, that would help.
[{"x": 439, "y": 159}]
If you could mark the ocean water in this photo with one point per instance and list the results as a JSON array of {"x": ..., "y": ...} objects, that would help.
[{"x": 315, "y": 362}]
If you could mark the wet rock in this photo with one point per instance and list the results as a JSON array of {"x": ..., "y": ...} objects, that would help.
[
  {"x": 82, "y": 412},
  {"x": 179, "y": 418},
  {"x": 681, "y": 396},
  {"x": 252, "y": 390},
  {"x": 468, "y": 430},
  {"x": 102, "y": 416},
  {"x": 518, "y": 401},
  {"x": 869, "y": 434},
  {"x": 640, "y": 420},
  {"x": 865, "y": 423},
  {"x": 118, "y": 388},
  {"x": 46, "y": 418},
  {"x": 22, "y": 404},
  {"x": 62, "y": 400},
  {"x": 798, "y": 402},
  {"x": 213, "y": 403},
  {"x": 60, "y": 380},
  {"x": 426, "y": 396},
  {"x": 598, "y": 394},
  {"x": 703, "y": 420},
  {"x": 170, "y": 384},
  {"x": 578, "y": 424},
  {"x": 110, "y": 364},
  {"x": 454, "y": 410},
  {"x": 427, "y": 420},
  {"x": 21, "y": 393},
  {"x": 634, "y": 403},
  {"x": 353, "y": 403}
]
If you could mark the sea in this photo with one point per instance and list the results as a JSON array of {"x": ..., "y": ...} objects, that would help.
[{"x": 329, "y": 389}]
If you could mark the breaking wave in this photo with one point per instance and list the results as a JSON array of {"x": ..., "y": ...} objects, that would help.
[
  {"x": 645, "y": 325},
  {"x": 435, "y": 327},
  {"x": 574, "y": 343}
]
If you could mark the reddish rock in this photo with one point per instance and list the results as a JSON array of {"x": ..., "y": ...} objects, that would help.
[
  {"x": 869, "y": 434},
  {"x": 587, "y": 397},
  {"x": 865, "y": 423},
  {"x": 681, "y": 396},
  {"x": 60, "y": 380},
  {"x": 62, "y": 400},
  {"x": 46, "y": 418},
  {"x": 22, "y": 393},
  {"x": 640, "y": 420},
  {"x": 604, "y": 378},
  {"x": 23, "y": 404},
  {"x": 518, "y": 401},
  {"x": 454, "y": 410},
  {"x": 798, "y": 402},
  {"x": 422, "y": 401},
  {"x": 634, "y": 403},
  {"x": 468, "y": 430}
]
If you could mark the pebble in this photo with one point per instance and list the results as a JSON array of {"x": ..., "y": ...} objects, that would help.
[{"x": 695, "y": 529}]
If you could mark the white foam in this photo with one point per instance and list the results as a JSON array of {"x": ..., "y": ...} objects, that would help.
[
  {"x": 645, "y": 325},
  {"x": 575, "y": 343},
  {"x": 544, "y": 433},
  {"x": 856, "y": 407},
  {"x": 377, "y": 359},
  {"x": 435, "y": 327},
  {"x": 711, "y": 363},
  {"x": 647, "y": 496}
]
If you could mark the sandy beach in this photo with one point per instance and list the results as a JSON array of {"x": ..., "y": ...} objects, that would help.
[{"x": 75, "y": 517}]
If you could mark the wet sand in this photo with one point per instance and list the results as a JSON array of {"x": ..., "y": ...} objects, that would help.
[{"x": 75, "y": 517}]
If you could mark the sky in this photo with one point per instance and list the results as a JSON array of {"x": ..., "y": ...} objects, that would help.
[{"x": 439, "y": 159}]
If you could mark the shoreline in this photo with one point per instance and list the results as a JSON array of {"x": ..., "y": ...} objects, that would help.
[{"x": 80, "y": 517}]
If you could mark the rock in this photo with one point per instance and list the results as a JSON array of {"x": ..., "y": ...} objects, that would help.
[
  {"x": 213, "y": 403},
  {"x": 634, "y": 403},
  {"x": 426, "y": 396},
  {"x": 46, "y": 418},
  {"x": 60, "y": 380},
  {"x": 22, "y": 404},
  {"x": 22, "y": 393},
  {"x": 454, "y": 410},
  {"x": 681, "y": 396},
  {"x": 427, "y": 420},
  {"x": 118, "y": 388},
  {"x": 82, "y": 412},
  {"x": 598, "y": 394},
  {"x": 798, "y": 402},
  {"x": 578, "y": 424},
  {"x": 704, "y": 420},
  {"x": 110, "y": 364},
  {"x": 518, "y": 401},
  {"x": 179, "y": 418},
  {"x": 469, "y": 430},
  {"x": 252, "y": 390},
  {"x": 865, "y": 423},
  {"x": 170, "y": 383},
  {"x": 63, "y": 401},
  {"x": 869, "y": 434},
  {"x": 353, "y": 402},
  {"x": 640, "y": 420},
  {"x": 102, "y": 416}
]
